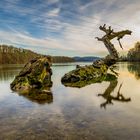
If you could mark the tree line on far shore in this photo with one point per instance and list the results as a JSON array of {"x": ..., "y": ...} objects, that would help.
[
  {"x": 133, "y": 54},
  {"x": 12, "y": 55}
]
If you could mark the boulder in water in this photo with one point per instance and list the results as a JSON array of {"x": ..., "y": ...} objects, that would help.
[
  {"x": 36, "y": 74},
  {"x": 82, "y": 76}
]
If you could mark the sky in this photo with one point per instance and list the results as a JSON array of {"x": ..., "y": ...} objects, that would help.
[{"x": 67, "y": 27}]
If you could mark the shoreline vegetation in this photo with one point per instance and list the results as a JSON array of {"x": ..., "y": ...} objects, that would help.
[
  {"x": 133, "y": 54},
  {"x": 12, "y": 55}
]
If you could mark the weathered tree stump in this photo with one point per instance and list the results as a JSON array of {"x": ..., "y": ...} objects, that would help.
[{"x": 99, "y": 68}]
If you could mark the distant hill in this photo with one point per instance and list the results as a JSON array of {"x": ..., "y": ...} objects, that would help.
[
  {"x": 12, "y": 55},
  {"x": 62, "y": 59},
  {"x": 86, "y": 59}
]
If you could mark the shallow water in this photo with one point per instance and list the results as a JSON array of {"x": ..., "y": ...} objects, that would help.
[{"x": 73, "y": 113}]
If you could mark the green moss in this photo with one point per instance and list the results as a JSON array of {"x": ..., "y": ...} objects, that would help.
[
  {"x": 82, "y": 83},
  {"x": 33, "y": 75},
  {"x": 85, "y": 75},
  {"x": 110, "y": 77},
  {"x": 43, "y": 75}
]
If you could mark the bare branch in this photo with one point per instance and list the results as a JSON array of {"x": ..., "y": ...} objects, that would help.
[
  {"x": 99, "y": 39},
  {"x": 109, "y": 35}
]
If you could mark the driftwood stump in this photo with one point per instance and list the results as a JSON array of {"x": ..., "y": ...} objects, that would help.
[
  {"x": 106, "y": 39},
  {"x": 96, "y": 72}
]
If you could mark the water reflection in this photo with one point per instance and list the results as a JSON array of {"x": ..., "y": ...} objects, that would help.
[
  {"x": 107, "y": 95},
  {"x": 110, "y": 98},
  {"x": 38, "y": 96},
  {"x": 8, "y": 72},
  {"x": 73, "y": 113},
  {"x": 134, "y": 68}
]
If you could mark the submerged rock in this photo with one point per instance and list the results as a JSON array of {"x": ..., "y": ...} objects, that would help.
[
  {"x": 85, "y": 75},
  {"x": 36, "y": 74}
]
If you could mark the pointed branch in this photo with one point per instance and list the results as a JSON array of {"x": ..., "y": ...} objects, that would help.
[
  {"x": 110, "y": 34},
  {"x": 120, "y": 44},
  {"x": 119, "y": 35},
  {"x": 99, "y": 39},
  {"x": 107, "y": 31}
]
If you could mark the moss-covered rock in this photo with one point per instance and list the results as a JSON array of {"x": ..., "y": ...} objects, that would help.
[
  {"x": 35, "y": 74},
  {"x": 85, "y": 75}
]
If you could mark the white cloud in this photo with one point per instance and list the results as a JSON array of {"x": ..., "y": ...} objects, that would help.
[
  {"x": 79, "y": 36},
  {"x": 119, "y": 20},
  {"x": 19, "y": 38},
  {"x": 54, "y": 12},
  {"x": 52, "y": 1}
]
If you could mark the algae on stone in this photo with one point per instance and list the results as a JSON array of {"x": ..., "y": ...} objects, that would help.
[
  {"x": 82, "y": 76},
  {"x": 35, "y": 74}
]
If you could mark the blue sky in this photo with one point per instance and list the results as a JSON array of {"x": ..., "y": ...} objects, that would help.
[{"x": 67, "y": 27}]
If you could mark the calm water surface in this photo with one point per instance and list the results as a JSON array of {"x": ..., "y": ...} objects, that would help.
[{"x": 73, "y": 113}]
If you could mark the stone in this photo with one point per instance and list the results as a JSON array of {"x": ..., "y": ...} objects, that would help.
[
  {"x": 36, "y": 74},
  {"x": 84, "y": 75}
]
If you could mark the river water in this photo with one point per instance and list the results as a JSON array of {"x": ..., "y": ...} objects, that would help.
[{"x": 99, "y": 111}]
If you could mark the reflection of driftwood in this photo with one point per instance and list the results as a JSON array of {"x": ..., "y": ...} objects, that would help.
[
  {"x": 113, "y": 71},
  {"x": 109, "y": 98}
]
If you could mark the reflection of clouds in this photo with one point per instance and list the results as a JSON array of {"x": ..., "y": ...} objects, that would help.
[
  {"x": 130, "y": 88},
  {"x": 8, "y": 71},
  {"x": 134, "y": 68},
  {"x": 4, "y": 90},
  {"x": 74, "y": 112},
  {"x": 7, "y": 74}
]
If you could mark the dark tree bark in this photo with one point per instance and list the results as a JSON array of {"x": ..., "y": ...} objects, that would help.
[{"x": 109, "y": 35}]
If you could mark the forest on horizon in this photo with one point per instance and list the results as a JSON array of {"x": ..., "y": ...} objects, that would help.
[{"x": 12, "y": 55}]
